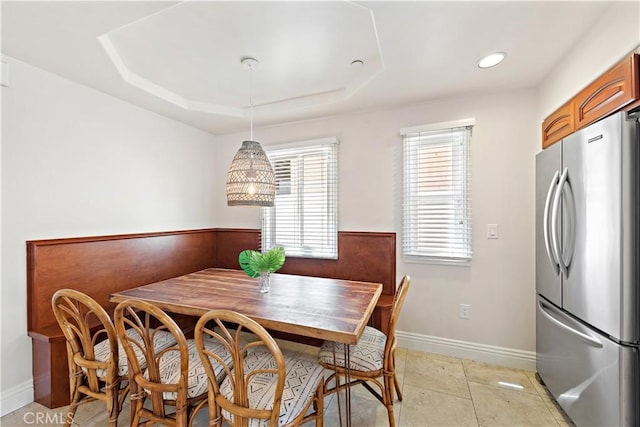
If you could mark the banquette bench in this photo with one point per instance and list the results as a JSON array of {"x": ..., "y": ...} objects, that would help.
[{"x": 99, "y": 266}]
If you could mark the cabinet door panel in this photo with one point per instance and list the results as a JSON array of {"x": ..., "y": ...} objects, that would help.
[
  {"x": 558, "y": 125},
  {"x": 608, "y": 93}
]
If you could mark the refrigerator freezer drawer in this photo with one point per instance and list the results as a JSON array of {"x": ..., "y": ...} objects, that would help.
[{"x": 593, "y": 378}]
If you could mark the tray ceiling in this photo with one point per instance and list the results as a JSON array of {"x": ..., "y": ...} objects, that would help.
[{"x": 182, "y": 59}]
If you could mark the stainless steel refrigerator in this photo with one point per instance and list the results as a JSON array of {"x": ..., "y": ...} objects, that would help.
[{"x": 587, "y": 256}]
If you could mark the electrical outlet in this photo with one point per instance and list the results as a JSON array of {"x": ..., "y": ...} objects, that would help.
[{"x": 465, "y": 311}]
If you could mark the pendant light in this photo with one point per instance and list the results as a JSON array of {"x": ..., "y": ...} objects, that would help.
[{"x": 251, "y": 180}]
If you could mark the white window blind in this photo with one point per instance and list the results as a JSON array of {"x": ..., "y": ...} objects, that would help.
[
  {"x": 437, "y": 197},
  {"x": 304, "y": 219}
]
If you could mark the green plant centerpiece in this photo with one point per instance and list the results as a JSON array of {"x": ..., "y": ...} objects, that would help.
[{"x": 258, "y": 264}]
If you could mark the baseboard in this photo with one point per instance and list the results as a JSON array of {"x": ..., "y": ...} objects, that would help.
[
  {"x": 16, "y": 397},
  {"x": 512, "y": 358}
]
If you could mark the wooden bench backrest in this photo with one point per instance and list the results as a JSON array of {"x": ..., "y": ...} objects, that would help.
[
  {"x": 99, "y": 266},
  {"x": 362, "y": 256}
]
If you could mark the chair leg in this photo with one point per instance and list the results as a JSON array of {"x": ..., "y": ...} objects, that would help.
[
  {"x": 75, "y": 401},
  {"x": 136, "y": 401},
  {"x": 388, "y": 398},
  {"x": 327, "y": 391},
  {"x": 215, "y": 416},
  {"x": 319, "y": 405},
  {"x": 122, "y": 395},
  {"x": 113, "y": 407},
  {"x": 75, "y": 381},
  {"x": 397, "y": 387},
  {"x": 182, "y": 415},
  {"x": 396, "y": 384}
]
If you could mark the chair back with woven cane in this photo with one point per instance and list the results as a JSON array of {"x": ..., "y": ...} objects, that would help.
[
  {"x": 170, "y": 378},
  {"x": 263, "y": 386},
  {"x": 92, "y": 349},
  {"x": 372, "y": 357}
]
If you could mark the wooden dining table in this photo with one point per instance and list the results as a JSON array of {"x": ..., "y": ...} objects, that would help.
[
  {"x": 329, "y": 309},
  {"x": 316, "y": 307}
]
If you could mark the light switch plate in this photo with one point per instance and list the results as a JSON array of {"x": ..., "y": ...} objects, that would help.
[{"x": 492, "y": 231}]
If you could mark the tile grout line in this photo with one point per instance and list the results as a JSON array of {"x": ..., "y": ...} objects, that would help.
[
  {"x": 547, "y": 397},
  {"x": 542, "y": 398},
  {"x": 473, "y": 404}
]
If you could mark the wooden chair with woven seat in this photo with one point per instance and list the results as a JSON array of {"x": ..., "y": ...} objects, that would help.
[
  {"x": 93, "y": 353},
  {"x": 170, "y": 378},
  {"x": 264, "y": 386},
  {"x": 371, "y": 358}
]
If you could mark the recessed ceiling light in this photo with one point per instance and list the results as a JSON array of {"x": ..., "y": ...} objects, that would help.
[{"x": 492, "y": 60}]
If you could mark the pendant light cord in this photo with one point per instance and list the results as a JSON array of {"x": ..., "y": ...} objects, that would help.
[{"x": 251, "y": 99}]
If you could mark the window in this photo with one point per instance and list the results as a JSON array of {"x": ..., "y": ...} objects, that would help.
[
  {"x": 305, "y": 217},
  {"x": 437, "y": 203}
]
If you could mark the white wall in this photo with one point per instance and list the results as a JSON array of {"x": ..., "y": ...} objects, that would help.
[
  {"x": 616, "y": 33},
  {"x": 499, "y": 282},
  {"x": 76, "y": 162}
]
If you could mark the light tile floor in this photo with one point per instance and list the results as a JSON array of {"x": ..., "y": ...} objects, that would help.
[{"x": 437, "y": 390}]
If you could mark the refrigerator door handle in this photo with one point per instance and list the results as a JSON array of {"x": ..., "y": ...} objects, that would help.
[
  {"x": 545, "y": 309},
  {"x": 555, "y": 211},
  {"x": 545, "y": 220}
]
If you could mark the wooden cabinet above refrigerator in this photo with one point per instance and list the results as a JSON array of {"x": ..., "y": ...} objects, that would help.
[
  {"x": 558, "y": 125},
  {"x": 616, "y": 89}
]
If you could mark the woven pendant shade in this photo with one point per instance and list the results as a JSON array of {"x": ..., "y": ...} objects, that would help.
[{"x": 251, "y": 180}]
